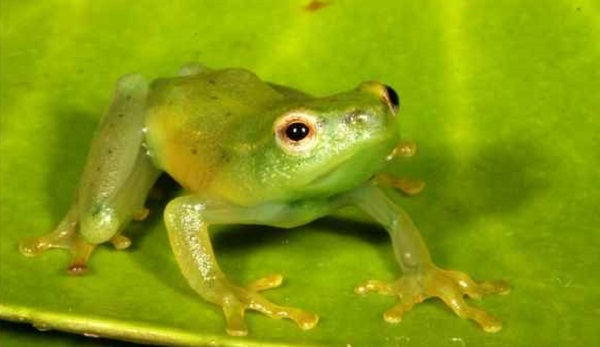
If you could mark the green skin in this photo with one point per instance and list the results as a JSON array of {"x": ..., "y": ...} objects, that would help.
[{"x": 222, "y": 134}]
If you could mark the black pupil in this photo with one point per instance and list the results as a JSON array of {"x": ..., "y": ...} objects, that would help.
[
  {"x": 393, "y": 96},
  {"x": 297, "y": 131}
]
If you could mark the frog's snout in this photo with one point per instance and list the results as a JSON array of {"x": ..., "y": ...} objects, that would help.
[{"x": 386, "y": 94}]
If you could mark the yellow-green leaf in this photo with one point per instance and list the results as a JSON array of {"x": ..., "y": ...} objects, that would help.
[{"x": 502, "y": 97}]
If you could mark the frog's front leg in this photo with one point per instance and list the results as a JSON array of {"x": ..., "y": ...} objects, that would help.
[
  {"x": 116, "y": 179},
  {"x": 421, "y": 279},
  {"x": 188, "y": 219}
]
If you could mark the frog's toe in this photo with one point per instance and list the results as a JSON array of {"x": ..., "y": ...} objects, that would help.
[
  {"x": 476, "y": 290},
  {"x": 406, "y": 148},
  {"x": 375, "y": 286},
  {"x": 304, "y": 320},
  {"x": 451, "y": 286},
  {"x": 234, "y": 315},
  {"x": 394, "y": 314},
  {"x": 269, "y": 282},
  {"x": 141, "y": 214},
  {"x": 407, "y": 186},
  {"x": 410, "y": 187},
  {"x": 120, "y": 242},
  {"x": 456, "y": 302},
  {"x": 62, "y": 237},
  {"x": 81, "y": 252},
  {"x": 406, "y": 298},
  {"x": 77, "y": 269},
  {"x": 37, "y": 245},
  {"x": 34, "y": 246}
]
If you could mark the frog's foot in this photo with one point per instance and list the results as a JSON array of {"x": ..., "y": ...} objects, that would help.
[
  {"x": 236, "y": 300},
  {"x": 450, "y": 286},
  {"x": 61, "y": 238}
]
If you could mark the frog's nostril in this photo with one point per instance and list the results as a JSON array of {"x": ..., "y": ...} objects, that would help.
[{"x": 392, "y": 98}]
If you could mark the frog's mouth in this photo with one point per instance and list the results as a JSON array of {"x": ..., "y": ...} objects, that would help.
[{"x": 350, "y": 170}]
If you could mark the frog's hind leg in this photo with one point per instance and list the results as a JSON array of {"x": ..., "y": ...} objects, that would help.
[{"x": 116, "y": 180}]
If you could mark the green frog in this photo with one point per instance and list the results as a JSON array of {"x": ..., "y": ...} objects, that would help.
[{"x": 248, "y": 151}]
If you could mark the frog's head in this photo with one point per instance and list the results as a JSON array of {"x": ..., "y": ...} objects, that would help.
[{"x": 323, "y": 146}]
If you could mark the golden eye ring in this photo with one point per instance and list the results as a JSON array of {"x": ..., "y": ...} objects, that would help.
[{"x": 296, "y": 132}]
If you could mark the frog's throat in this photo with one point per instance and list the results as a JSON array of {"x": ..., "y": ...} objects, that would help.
[
  {"x": 329, "y": 175},
  {"x": 331, "y": 169}
]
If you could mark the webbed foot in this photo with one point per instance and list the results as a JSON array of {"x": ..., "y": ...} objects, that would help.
[
  {"x": 79, "y": 248},
  {"x": 236, "y": 300},
  {"x": 66, "y": 236},
  {"x": 450, "y": 286}
]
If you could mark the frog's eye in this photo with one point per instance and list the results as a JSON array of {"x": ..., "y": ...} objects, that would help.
[
  {"x": 296, "y": 132},
  {"x": 392, "y": 98},
  {"x": 386, "y": 94}
]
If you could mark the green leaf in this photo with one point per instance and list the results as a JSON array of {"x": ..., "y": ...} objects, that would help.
[{"x": 501, "y": 97}]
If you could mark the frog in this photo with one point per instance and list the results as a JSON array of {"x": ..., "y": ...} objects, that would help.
[{"x": 248, "y": 151}]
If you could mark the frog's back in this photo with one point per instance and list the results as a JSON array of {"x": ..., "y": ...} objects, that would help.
[{"x": 190, "y": 118}]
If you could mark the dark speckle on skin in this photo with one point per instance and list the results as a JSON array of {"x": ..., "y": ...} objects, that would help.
[
  {"x": 110, "y": 151},
  {"x": 213, "y": 97},
  {"x": 211, "y": 81},
  {"x": 194, "y": 151},
  {"x": 121, "y": 115},
  {"x": 228, "y": 113},
  {"x": 225, "y": 157}
]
